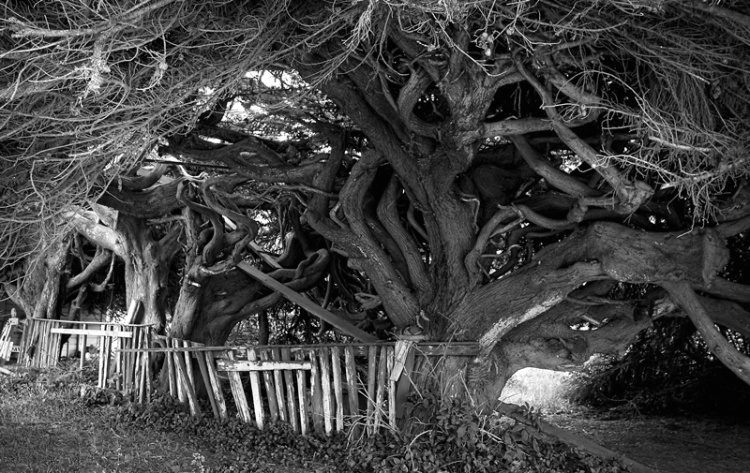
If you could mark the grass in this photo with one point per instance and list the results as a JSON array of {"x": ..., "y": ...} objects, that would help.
[
  {"x": 544, "y": 390},
  {"x": 46, "y": 427}
]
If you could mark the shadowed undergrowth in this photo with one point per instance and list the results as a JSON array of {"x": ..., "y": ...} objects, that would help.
[{"x": 45, "y": 426}]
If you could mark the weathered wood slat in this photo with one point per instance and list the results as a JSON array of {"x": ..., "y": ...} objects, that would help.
[
  {"x": 338, "y": 387},
  {"x": 317, "y": 395},
  {"x": 188, "y": 360},
  {"x": 86, "y": 322},
  {"x": 255, "y": 388},
  {"x": 372, "y": 373},
  {"x": 291, "y": 394},
  {"x": 193, "y": 349},
  {"x": 93, "y": 333},
  {"x": 203, "y": 369},
  {"x": 171, "y": 376},
  {"x": 142, "y": 361},
  {"x": 268, "y": 381},
  {"x": 54, "y": 353},
  {"x": 278, "y": 381},
  {"x": 118, "y": 363},
  {"x": 128, "y": 362},
  {"x": 147, "y": 365},
  {"x": 216, "y": 386},
  {"x": 325, "y": 382},
  {"x": 186, "y": 385},
  {"x": 261, "y": 365},
  {"x": 381, "y": 387},
  {"x": 238, "y": 393},
  {"x": 103, "y": 358},
  {"x": 301, "y": 396},
  {"x": 333, "y": 319},
  {"x": 391, "y": 389},
  {"x": 82, "y": 342},
  {"x": 176, "y": 359},
  {"x": 404, "y": 384},
  {"x": 44, "y": 362},
  {"x": 351, "y": 381}
]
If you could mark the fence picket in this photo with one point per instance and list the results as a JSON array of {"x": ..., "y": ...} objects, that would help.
[
  {"x": 291, "y": 395},
  {"x": 325, "y": 380},
  {"x": 188, "y": 360},
  {"x": 338, "y": 387},
  {"x": 238, "y": 392},
  {"x": 372, "y": 363},
  {"x": 270, "y": 389},
  {"x": 279, "y": 387},
  {"x": 302, "y": 398},
  {"x": 83, "y": 350},
  {"x": 176, "y": 358},
  {"x": 255, "y": 388},
  {"x": 351, "y": 381},
  {"x": 381, "y": 383},
  {"x": 317, "y": 396},
  {"x": 203, "y": 369},
  {"x": 216, "y": 386},
  {"x": 391, "y": 388},
  {"x": 185, "y": 384}
]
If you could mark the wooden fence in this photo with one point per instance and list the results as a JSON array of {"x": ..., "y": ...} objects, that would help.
[
  {"x": 326, "y": 388},
  {"x": 42, "y": 343},
  {"x": 11, "y": 334}
]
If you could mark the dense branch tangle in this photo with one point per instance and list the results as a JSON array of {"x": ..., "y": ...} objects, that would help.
[{"x": 471, "y": 165}]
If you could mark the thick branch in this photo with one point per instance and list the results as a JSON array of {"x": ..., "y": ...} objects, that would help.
[
  {"x": 87, "y": 224},
  {"x": 388, "y": 215},
  {"x": 631, "y": 195},
  {"x": 554, "y": 176},
  {"x": 100, "y": 260},
  {"x": 682, "y": 293},
  {"x": 152, "y": 203},
  {"x": 727, "y": 290},
  {"x": 252, "y": 159},
  {"x": 408, "y": 98},
  {"x": 139, "y": 183},
  {"x": 401, "y": 305}
]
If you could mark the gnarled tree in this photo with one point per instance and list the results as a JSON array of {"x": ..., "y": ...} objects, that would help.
[{"x": 488, "y": 171}]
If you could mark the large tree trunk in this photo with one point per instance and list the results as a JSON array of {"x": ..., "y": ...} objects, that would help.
[
  {"x": 147, "y": 265},
  {"x": 40, "y": 291}
]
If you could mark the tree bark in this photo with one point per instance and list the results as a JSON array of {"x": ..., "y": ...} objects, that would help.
[{"x": 682, "y": 293}]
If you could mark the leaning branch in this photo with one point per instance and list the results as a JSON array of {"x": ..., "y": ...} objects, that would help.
[
  {"x": 307, "y": 304},
  {"x": 682, "y": 293}
]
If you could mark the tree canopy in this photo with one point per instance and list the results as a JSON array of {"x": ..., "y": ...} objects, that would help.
[{"x": 542, "y": 177}]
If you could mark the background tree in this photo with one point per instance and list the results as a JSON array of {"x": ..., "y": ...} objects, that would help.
[{"x": 475, "y": 171}]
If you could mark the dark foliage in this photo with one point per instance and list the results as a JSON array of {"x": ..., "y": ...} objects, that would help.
[
  {"x": 454, "y": 439},
  {"x": 668, "y": 370}
]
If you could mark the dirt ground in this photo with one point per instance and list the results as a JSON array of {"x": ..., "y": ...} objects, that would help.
[{"x": 668, "y": 444}]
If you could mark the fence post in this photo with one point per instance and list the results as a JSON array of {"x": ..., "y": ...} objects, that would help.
[{"x": 337, "y": 387}]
